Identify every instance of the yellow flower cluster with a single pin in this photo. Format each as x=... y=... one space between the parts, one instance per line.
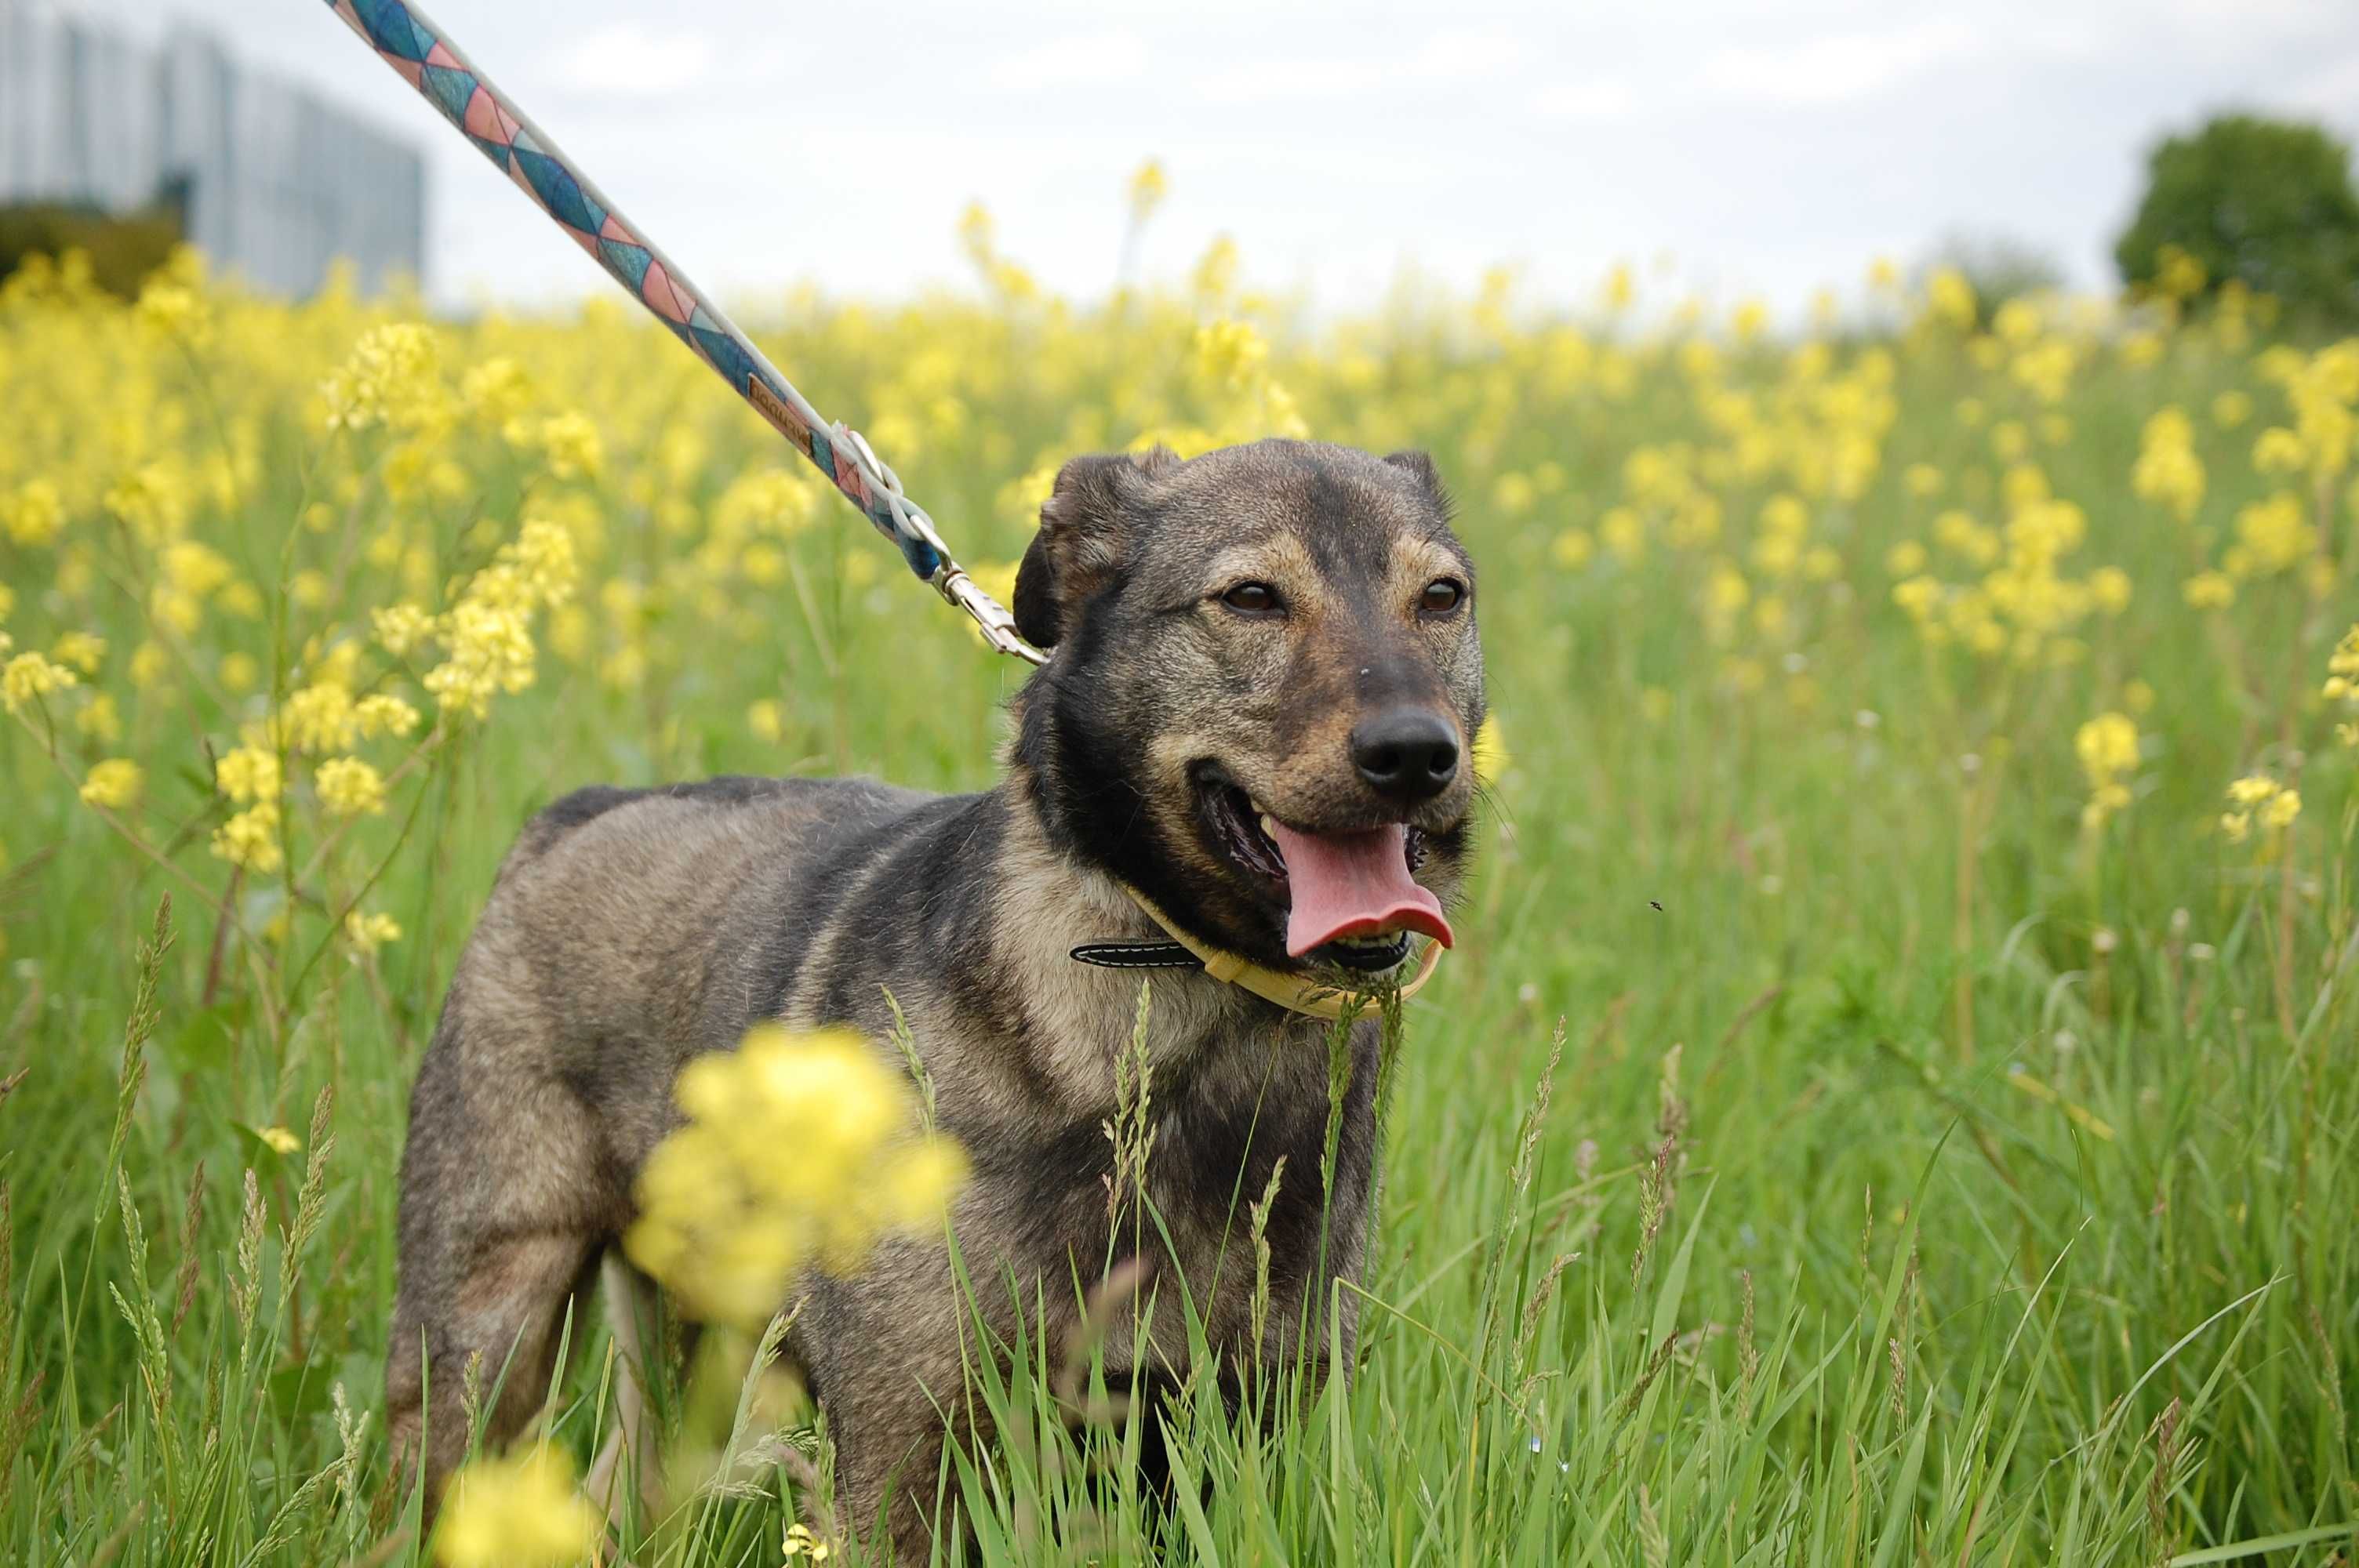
x=2258 y=798
x=522 y=1511
x=2169 y=472
x=112 y=783
x=2343 y=683
x=797 y=1152
x=2107 y=746
x=367 y=932
x=28 y=677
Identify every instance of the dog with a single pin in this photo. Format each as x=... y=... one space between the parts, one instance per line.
x=1256 y=714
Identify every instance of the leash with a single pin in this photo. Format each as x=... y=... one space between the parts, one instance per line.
x=422 y=54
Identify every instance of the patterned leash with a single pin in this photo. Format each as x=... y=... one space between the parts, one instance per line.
x=424 y=56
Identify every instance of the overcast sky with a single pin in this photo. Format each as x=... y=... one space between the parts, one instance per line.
x=1765 y=149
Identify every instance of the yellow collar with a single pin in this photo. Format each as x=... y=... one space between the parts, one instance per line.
x=1292 y=992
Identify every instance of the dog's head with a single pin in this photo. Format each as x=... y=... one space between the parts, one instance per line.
x=1263 y=694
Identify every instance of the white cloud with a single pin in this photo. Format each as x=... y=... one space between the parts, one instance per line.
x=626 y=61
x=2331 y=90
x=1594 y=97
x=1075 y=61
x=1447 y=57
x=1837 y=67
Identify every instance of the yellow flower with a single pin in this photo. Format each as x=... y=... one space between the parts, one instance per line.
x=1230 y=351
x=2343 y=681
x=278 y=1140
x=320 y=718
x=2258 y=797
x=1906 y=558
x=2108 y=749
x=2280 y=451
x=1148 y=188
x=382 y=714
x=251 y=839
x=30 y=677
x=239 y=671
x=151 y=662
x=2271 y=537
x=350 y=787
x=496 y=391
x=247 y=774
x=367 y=933
x=400 y=627
x=523 y=1511
x=2167 y=472
x=2209 y=591
x=767 y=718
x=114 y=784
x=99 y=718
x=170 y=309
x=2231 y=409
x=801 y=1542
x=391 y=378
x=81 y=650
x=36 y=515
x=543 y=557
x=569 y=441
x=1491 y=755
x=1949 y=298
x=1573 y=548
x=796 y=1151
x=2109 y=589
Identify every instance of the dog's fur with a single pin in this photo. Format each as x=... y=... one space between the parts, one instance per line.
x=632 y=929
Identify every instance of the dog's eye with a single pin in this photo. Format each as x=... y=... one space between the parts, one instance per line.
x=1442 y=596
x=1252 y=599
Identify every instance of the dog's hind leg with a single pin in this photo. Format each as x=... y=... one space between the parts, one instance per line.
x=505 y=1208
x=630 y=1447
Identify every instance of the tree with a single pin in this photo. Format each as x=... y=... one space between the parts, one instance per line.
x=2267 y=203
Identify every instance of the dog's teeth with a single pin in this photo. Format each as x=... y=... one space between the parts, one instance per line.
x=1269 y=825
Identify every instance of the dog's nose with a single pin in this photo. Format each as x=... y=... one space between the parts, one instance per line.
x=1409 y=753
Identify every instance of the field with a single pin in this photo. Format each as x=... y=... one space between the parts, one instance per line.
x=1896 y=1099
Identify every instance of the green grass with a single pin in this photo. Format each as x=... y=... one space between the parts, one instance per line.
x=1710 y=1233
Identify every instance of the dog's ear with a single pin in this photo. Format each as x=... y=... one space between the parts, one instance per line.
x=1419 y=467
x=1083 y=540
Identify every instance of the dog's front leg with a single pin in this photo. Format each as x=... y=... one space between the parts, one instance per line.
x=889 y=1486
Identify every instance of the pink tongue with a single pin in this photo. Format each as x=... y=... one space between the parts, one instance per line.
x=1352 y=885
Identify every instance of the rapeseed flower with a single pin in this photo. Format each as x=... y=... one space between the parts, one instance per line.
x=28 y=677
x=2257 y=799
x=1491 y=755
x=523 y=1511
x=369 y=931
x=2107 y=746
x=350 y=787
x=114 y=782
x=250 y=839
x=797 y=1152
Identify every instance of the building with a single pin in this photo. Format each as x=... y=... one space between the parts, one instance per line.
x=269 y=180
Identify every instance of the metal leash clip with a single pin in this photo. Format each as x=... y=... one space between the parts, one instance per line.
x=950 y=578
x=998 y=625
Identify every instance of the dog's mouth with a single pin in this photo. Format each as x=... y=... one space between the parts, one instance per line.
x=1351 y=901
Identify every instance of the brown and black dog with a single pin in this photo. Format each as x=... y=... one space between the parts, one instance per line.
x=1263 y=681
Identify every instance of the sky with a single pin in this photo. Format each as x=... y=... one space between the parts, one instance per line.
x=1751 y=149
